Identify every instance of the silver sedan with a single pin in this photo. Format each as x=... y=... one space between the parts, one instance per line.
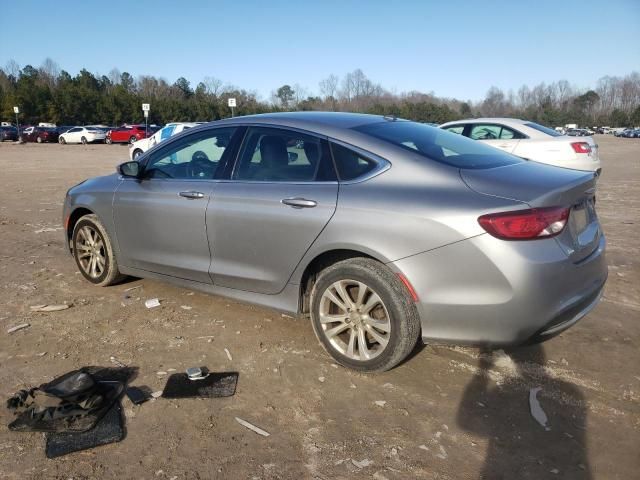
x=381 y=231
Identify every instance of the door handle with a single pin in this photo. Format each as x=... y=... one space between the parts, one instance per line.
x=299 y=202
x=192 y=195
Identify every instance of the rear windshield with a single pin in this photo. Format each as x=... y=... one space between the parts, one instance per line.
x=543 y=129
x=439 y=145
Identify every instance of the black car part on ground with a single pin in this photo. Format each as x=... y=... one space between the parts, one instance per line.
x=210 y=385
x=73 y=402
x=109 y=429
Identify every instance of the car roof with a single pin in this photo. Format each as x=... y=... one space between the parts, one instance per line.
x=335 y=124
x=505 y=120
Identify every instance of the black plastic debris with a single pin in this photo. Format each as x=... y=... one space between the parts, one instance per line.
x=208 y=385
x=109 y=429
x=138 y=395
x=73 y=402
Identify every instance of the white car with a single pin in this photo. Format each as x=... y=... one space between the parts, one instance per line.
x=170 y=129
x=82 y=135
x=531 y=142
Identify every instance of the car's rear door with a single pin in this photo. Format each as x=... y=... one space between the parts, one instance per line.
x=160 y=219
x=496 y=135
x=281 y=194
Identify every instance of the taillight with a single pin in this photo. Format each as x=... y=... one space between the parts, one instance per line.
x=581 y=147
x=529 y=224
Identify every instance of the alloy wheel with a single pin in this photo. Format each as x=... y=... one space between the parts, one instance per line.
x=90 y=252
x=354 y=320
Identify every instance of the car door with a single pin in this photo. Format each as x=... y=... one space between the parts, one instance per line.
x=73 y=135
x=160 y=219
x=281 y=194
x=496 y=135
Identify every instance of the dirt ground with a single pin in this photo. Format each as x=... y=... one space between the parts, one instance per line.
x=446 y=413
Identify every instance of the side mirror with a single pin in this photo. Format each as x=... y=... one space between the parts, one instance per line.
x=293 y=156
x=129 y=169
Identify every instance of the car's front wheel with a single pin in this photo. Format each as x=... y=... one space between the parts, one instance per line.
x=62 y=141
x=363 y=315
x=93 y=252
x=136 y=153
x=83 y=140
x=39 y=139
x=132 y=139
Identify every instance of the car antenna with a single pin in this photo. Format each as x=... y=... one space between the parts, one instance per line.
x=391 y=118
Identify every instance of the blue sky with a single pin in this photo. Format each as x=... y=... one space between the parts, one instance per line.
x=453 y=48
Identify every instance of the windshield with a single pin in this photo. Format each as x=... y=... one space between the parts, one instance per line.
x=543 y=129
x=439 y=145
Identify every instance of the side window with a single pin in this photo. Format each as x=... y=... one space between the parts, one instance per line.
x=166 y=132
x=455 y=129
x=74 y=130
x=494 y=132
x=350 y=164
x=485 y=132
x=507 y=134
x=275 y=155
x=195 y=157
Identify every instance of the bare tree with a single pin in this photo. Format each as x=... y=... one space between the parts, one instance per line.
x=12 y=68
x=213 y=85
x=114 y=76
x=49 y=72
x=329 y=86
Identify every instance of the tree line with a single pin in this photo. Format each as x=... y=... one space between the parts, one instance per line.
x=50 y=94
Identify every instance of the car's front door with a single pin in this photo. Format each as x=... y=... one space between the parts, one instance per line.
x=73 y=135
x=281 y=194
x=498 y=136
x=160 y=219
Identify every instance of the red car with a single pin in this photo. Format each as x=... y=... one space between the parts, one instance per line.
x=40 y=134
x=127 y=134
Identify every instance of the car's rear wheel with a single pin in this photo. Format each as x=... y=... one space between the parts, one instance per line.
x=39 y=139
x=132 y=139
x=83 y=140
x=107 y=140
x=136 y=153
x=61 y=140
x=93 y=252
x=363 y=315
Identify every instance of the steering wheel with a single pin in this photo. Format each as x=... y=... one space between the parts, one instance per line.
x=199 y=166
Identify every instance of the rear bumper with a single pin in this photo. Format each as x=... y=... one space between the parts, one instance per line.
x=486 y=291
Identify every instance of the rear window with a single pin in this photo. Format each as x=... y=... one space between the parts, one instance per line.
x=439 y=145
x=543 y=129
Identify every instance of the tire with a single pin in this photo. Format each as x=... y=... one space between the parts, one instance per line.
x=83 y=140
x=87 y=230
x=39 y=139
x=62 y=141
x=136 y=153
x=107 y=140
x=393 y=310
x=132 y=139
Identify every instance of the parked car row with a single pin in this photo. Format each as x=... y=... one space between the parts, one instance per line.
x=78 y=134
x=628 y=133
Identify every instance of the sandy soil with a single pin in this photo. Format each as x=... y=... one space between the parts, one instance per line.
x=446 y=413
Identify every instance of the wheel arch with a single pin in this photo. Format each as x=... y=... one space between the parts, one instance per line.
x=319 y=263
x=75 y=215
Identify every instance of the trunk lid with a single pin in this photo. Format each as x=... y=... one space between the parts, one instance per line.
x=541 y=185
